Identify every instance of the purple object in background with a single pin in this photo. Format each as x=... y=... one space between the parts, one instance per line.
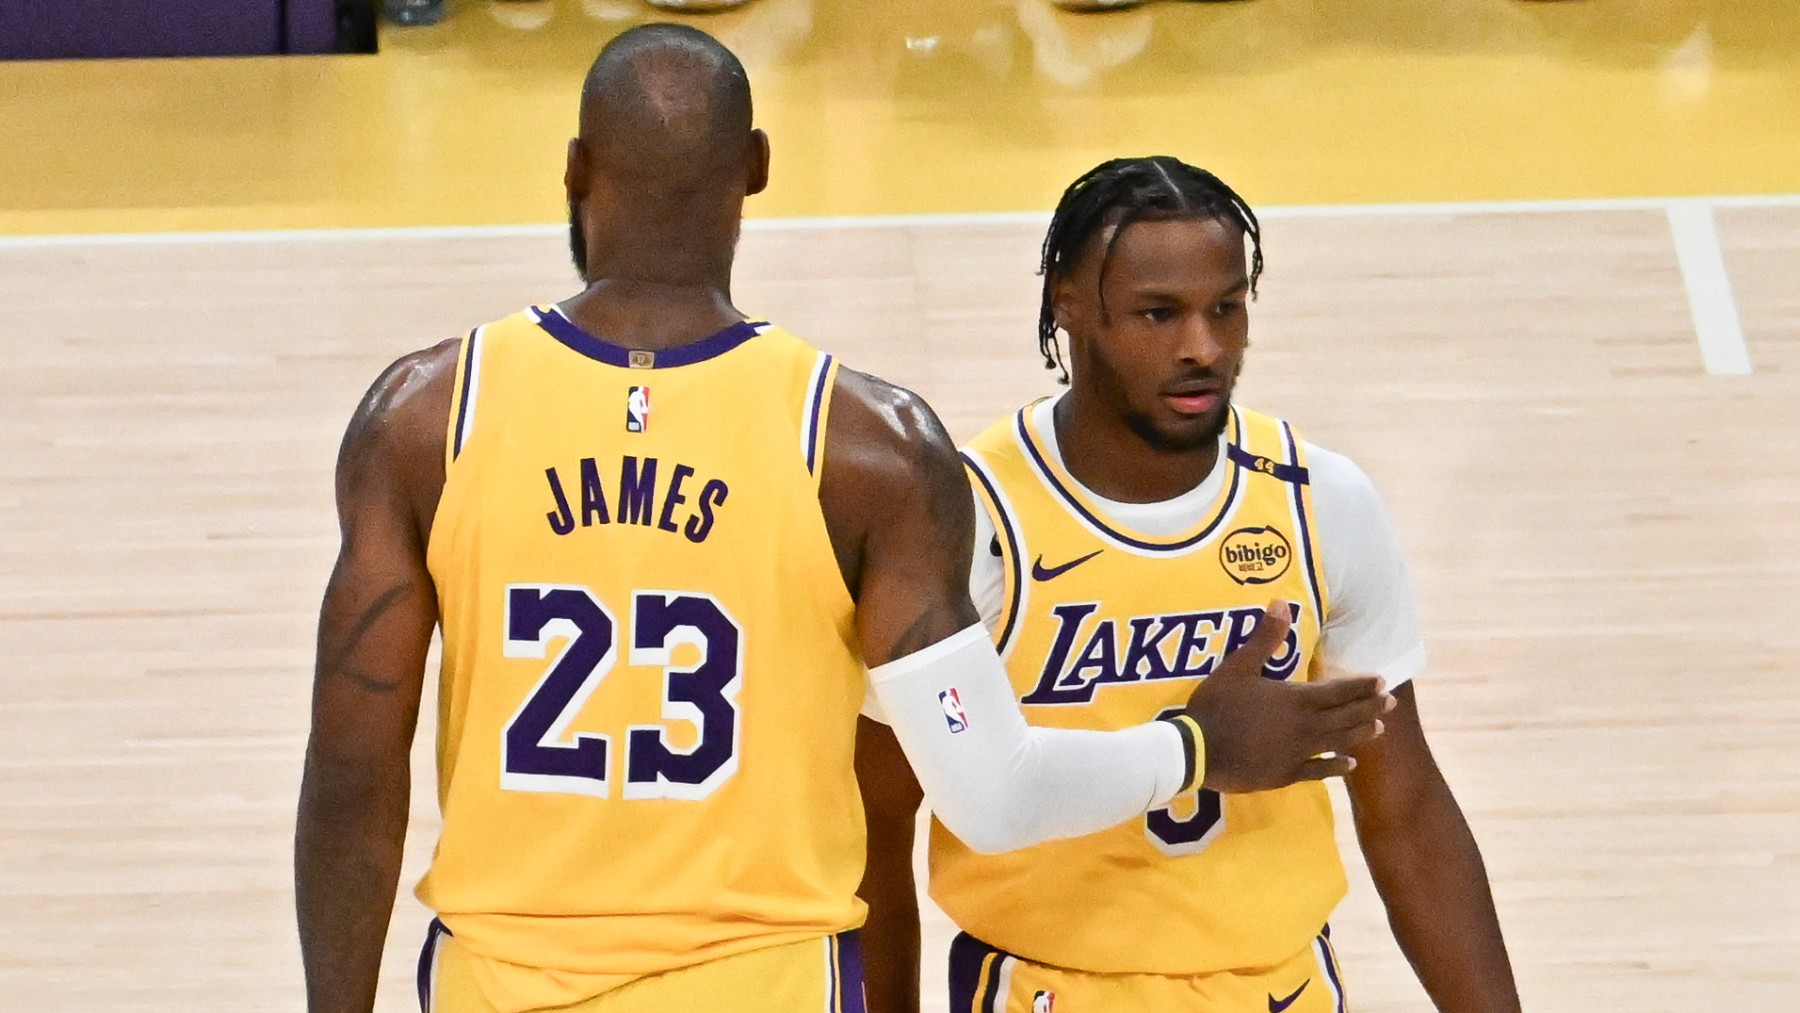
x=81 y=29
x=311 y=26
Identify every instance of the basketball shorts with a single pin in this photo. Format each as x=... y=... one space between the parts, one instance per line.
x=821 y=975
x=987 y=980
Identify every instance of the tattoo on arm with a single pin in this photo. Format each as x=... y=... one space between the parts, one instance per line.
x=336 y=666
x=374 y=633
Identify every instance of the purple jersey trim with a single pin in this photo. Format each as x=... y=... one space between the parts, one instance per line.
x=564 y=330
x=462 y=403
x=1312 y=573
x=1286 y=472
x=1074 y=503
x=816 y=402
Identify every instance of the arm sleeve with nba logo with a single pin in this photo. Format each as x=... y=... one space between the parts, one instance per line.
x=1000 y=784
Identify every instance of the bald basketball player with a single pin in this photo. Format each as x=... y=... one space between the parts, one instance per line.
x=671 y=550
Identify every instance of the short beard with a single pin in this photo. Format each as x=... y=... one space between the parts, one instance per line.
x=1169 y=443
x=577 y=240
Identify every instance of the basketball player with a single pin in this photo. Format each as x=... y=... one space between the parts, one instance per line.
x=662 y=542
x=1128 y=527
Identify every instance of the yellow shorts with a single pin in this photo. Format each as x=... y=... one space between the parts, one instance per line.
x=811 y=976
x=986 y=980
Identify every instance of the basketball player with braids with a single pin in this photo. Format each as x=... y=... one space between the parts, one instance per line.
x=671 y=550
x=1128 y=530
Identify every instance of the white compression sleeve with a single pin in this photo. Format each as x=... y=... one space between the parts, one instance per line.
x=1000 y=784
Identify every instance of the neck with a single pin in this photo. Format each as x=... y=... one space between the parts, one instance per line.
x=1106 y=455
x=693 y=258
x=652 y=315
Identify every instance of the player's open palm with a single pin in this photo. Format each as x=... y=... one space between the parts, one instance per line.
x=1263 y=734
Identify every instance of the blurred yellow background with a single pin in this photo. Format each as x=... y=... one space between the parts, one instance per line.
x=931 y=106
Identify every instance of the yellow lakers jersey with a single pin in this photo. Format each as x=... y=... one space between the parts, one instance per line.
x=1106 y=627
x=648 y=700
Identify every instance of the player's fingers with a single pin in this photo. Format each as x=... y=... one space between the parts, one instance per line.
x=1271 y=629
x=1329 y=693
x=1321 y=767
x=1344 y=740
x=1361 y=711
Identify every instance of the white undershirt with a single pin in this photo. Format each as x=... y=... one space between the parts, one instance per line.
x=1372 y=625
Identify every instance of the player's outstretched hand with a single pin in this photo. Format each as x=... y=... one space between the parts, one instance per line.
x=1262 y=734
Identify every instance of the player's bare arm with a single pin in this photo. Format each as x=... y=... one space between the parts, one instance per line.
x=1428 y=869
x=375 y=627
x=891 y=797
x=901 y=517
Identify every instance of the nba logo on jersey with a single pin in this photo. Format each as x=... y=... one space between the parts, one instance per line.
x=954 y=715
x=1043 y=1002
x=637 y=409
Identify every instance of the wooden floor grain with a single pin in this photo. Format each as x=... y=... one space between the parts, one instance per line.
x=1605 y=542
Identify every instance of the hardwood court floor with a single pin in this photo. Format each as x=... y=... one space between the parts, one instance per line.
x=1605 y=541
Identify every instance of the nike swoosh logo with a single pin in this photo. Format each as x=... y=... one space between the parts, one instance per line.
x=1277 y=1005
x=1039 y=573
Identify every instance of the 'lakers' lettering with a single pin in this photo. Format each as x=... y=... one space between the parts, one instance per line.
x=1186 y=645
x=640 y=491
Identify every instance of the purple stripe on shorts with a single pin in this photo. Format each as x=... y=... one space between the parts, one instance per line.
x=1331 y=970
x=427 y=957
x=850 y=972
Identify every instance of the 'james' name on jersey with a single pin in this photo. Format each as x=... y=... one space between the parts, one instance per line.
x=637 y=496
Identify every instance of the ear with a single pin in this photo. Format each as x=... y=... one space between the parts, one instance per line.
x=575 y=172
x=1063 y=302
x=758 y=180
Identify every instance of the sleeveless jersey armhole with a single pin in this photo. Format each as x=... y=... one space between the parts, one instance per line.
x=1006 y=535
x=815 y=415
x=1272 y=452
x=1304 y=518
x=463 y=397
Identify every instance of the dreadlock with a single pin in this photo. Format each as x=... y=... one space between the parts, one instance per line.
x=1118 y=193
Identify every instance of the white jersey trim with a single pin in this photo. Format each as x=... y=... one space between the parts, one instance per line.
x=465 y=415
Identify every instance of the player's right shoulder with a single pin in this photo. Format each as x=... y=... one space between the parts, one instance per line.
x=410 y=401
x=892 y=485
x=397 y=433
x=882 y=435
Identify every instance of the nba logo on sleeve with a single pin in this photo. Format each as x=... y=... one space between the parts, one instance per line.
x=1043 y=1002
x=637 y=409
x=954 y=715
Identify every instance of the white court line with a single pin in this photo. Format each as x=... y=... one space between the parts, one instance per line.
x=1716 y=321
x=281 y=236
x=1444 y=208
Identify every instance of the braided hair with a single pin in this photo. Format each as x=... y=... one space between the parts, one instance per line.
x=1118 y=193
